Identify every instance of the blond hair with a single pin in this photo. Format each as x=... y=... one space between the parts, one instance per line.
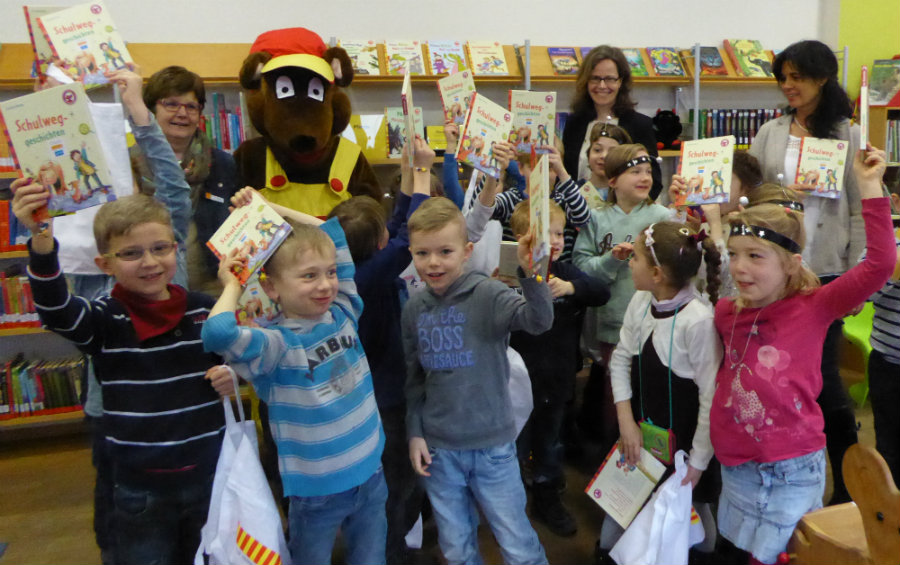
x=520 y=220
x=771 y=193
x=788 y=223
x=434 y=214
x=303 y=237
x=117 y=218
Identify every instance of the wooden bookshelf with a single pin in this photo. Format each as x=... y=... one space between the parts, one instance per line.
x=878 y=117
x=50 y=425
x=6 y=332
x=14 y=254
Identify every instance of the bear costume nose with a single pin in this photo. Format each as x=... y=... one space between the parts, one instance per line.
x=303 y=143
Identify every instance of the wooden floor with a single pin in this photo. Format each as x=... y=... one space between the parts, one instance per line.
x=46 y=505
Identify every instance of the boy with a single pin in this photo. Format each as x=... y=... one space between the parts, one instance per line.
x=379 y=261
x=552 y=359
x=310 y=369
x=459 y=419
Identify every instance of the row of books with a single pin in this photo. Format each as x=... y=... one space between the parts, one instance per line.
x=226 y=128
x=17 y=309
x=34 y=388
x=892 y=141
x=741 y=123
x=737 y=58
x=12 y=234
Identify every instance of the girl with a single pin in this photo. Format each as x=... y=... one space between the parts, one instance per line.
x=766 y=427
x=599 y=252
x=603 y=138
x=663 y=370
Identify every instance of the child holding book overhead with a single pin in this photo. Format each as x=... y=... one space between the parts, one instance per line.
x=663 y=369
x=600 y=252
x=459 y=418
x=766 y=427
x=310 y=368
x=603 y=137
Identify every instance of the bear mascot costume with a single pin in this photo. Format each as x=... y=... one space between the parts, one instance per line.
x=292 y=85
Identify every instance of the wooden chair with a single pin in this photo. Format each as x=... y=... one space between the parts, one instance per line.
x=863 y=532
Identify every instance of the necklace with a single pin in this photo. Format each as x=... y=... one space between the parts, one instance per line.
x=754 y=330
x=799 y=125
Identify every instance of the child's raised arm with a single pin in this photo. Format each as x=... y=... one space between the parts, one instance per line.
x=245 y=195
x=130 y=86
x=868 y=168
x=503 y=152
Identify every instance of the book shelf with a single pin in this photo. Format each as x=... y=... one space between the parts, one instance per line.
x=878 y=118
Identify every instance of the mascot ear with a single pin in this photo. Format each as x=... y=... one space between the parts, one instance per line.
x=340 y=62
x=250 y=74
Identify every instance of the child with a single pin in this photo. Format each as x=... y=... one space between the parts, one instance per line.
x=379 y=262
x=766 y=427
x=310 y=369
x=599 y=253
x=459 y=419
x=552 y=359
x=663 y=370
x=604 y=136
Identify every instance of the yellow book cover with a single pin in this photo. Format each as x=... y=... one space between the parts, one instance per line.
x=705 y=165
x=821 y=166
x=456 y=95
x=486 y=124
x=534 y=117
x=401 y=55
x=363 y=55
x=487 y=58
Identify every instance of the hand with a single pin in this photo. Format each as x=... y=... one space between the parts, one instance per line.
x=451 y=132
x=622 y=251
x=424 y=155
x=221 y=379
x=230 y=264
x=868 y=167
x=630 y=441
x=677 y=190
x=242 y=197
x=854 y=311
x=28 y=197
x=131 y=86
x=692 y=477
x=556 y=164
x=523 y=252
x=559 y=287
x=419 y=456
x=503 y=152
x=802 y=189
x=693 y=220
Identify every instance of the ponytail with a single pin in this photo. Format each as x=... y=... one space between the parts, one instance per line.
x=713 y=260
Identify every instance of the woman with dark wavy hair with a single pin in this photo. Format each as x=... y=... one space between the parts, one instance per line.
x=817 y=106
x=603 y=94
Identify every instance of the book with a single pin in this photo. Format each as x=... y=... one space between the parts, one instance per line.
x=705 y=165
x=509 y=263
x=864 y=106
x=539 y=216
x=412 y=119
x=821 y=166
x=592 y=195
x=583 y=51
x=487 y=58
x=456 y=95
x=86 y=41
x=711 y=61
x=665 y=61
x=748 y=57
x=563 y=60
x=622 y=489
x=363 y=55
x=636 y=62
x=404 y=57
x=255 y=230
x=884 y=83
x=447 y=57
x=43 y=53
x=53 y=140
x=486 y=124
x=436 y=137
x=534 y=114
x=397 y=127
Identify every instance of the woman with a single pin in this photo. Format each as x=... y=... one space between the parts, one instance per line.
x=603 y=94
x=818 y=107
x=176 y=97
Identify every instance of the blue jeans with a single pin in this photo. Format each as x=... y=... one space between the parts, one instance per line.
x=490 y=477
x=358 y=512
x=159 y=527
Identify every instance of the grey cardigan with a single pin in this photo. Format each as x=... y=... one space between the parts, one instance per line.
x=840 y=236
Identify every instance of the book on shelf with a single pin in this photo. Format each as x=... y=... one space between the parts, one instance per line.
x=53 y=140
x=363 y=56
x=622 y=489
x=884 y=83
x=637 y=61
x=539 y=216
x=487 y=58
x=712 y=63
x=404 y=57
x=561 y=118
x=255 y=230
x=563 y=60
x=486 y=124
x=821 y=167
x=447 y=57
x=395 y=118
x=255 y=309
x=456 y=92
x=743 y=123
x=892 y=141
x=85 y=42
x=583 y=51
x=369 y=131
x=17 y=308
x=665 y=61
x=705 y=165
x=534 y=114
x=35 y=388
x=748 y=57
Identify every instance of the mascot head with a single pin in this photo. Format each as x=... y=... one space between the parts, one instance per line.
x=293 y=97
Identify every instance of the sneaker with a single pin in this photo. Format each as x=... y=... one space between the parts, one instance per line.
x=601 y=556
x=548 y=508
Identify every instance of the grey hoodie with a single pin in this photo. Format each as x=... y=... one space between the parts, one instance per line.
x=457 y=371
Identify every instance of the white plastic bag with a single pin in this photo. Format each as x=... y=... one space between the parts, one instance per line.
x=520 y=395
x=243 y=525
x=660 y=534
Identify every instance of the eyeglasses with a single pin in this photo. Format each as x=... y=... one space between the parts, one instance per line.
x=173 y=106
x=608 y=80
x=158 y=249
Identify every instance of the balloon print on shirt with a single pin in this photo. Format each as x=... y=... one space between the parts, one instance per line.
x=441 y=340
x=770 y=365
